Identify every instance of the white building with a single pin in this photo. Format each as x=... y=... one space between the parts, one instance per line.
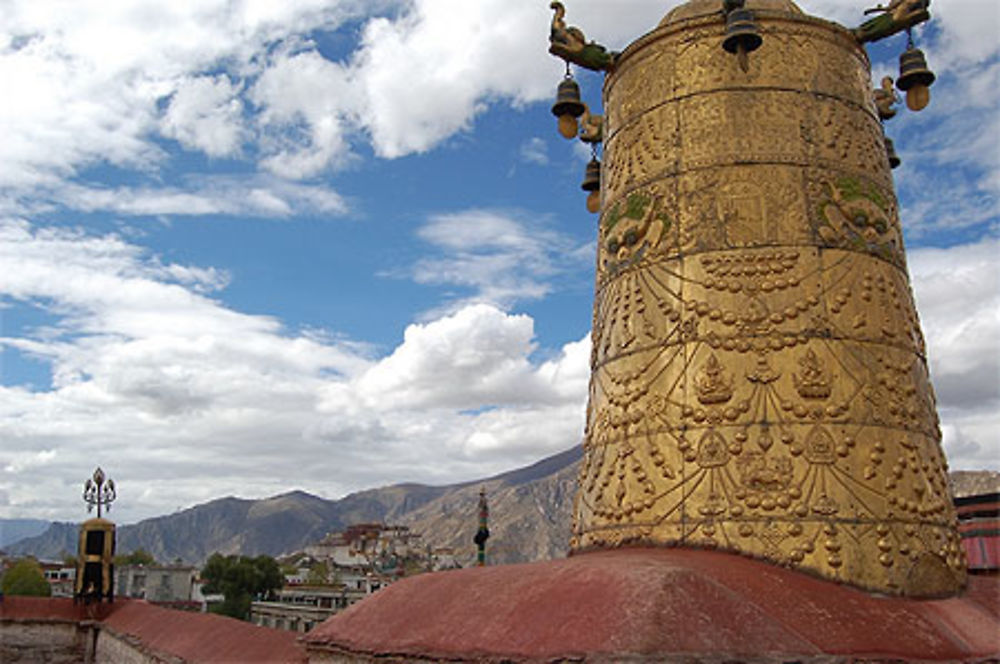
x=174 y=585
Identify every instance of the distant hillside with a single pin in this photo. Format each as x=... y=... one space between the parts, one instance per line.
x=289 y=522
x=530 y=513
x=12 y=530
x=530 y=517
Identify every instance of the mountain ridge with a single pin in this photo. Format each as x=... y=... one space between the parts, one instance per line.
x=290 y=521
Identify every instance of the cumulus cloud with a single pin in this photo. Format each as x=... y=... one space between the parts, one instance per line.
x=172 y=391
x=205 y=113
x=96 y=84
x=958 y=296
x=486 y=351
x=306 y=103
x=92 y=84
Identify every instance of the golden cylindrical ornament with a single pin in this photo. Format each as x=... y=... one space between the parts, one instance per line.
x=759 y=381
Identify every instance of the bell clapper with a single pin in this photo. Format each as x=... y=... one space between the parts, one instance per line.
x=567 y=126
x=594 y=202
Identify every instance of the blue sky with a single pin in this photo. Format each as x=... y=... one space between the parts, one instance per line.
x=250 y=246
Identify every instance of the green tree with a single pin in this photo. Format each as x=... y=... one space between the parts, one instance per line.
x=241 y=579
x=25 y=577
x=138 y=557
x=319 y=574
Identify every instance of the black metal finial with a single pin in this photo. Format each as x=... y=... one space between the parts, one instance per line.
x=483 y=533
x=99 y=490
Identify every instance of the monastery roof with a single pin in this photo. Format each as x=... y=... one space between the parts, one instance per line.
x=194 y=638
x=656 y=604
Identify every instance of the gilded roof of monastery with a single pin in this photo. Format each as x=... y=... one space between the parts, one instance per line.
x=696 y=8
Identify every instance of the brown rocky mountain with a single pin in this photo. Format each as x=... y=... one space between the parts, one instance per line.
x=530 y=512
x=530 y=515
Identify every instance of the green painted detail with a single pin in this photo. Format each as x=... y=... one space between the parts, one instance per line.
x=853 y=189
x=635 y=208
x=904 y=16
x=853 y=210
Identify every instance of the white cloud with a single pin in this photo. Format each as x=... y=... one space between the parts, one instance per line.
x=474 y=358
x=428 y=73
x=257 y=196
x=958 y=296
x=969 y=30
x=502 y=257
x=88 y=82
x=535 y=151
x=93 y=83
x=306 y=104
x=205 y=113
x=173 y=392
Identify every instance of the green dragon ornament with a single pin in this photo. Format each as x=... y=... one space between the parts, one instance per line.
x=895 y=17
x=570 y=44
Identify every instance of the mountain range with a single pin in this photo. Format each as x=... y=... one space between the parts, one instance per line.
x=530 y=518
x=12 y=530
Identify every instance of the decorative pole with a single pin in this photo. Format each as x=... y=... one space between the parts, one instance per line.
x=99 y=490
x=483 y=533
x=95 y=558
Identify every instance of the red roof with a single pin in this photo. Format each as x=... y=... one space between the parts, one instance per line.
x=50 y=608
x=657 y=604
x=193 y=637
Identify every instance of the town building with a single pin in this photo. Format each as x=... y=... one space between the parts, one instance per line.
x=60 y=576
x=343 y=568
x=175 y=586
x=300 y=608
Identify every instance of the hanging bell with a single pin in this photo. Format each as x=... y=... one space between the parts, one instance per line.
x=592 y=176
x=742 y=35
x=568 y=107
x=915 y=78
x=890 y=151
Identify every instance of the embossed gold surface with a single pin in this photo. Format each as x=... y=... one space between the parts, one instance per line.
x=759 y=382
